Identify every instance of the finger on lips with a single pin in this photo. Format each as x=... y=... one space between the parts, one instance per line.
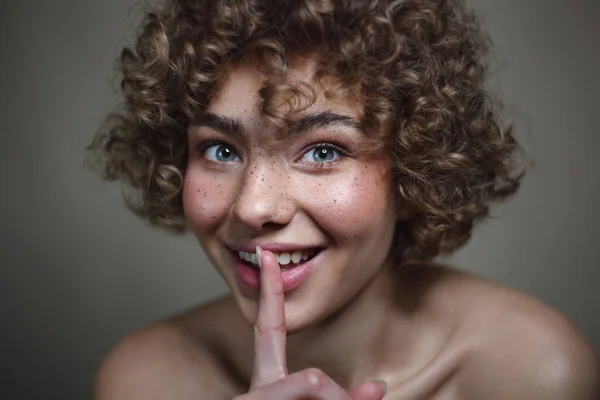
x=270 y=378
x=269 y=330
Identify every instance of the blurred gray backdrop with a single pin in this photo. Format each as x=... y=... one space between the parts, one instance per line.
x=78 y=271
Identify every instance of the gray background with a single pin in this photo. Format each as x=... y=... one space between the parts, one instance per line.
x=78 y=271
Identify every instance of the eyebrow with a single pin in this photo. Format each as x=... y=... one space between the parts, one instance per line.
x=305 y=123
x=324 y=119
x=222 y=123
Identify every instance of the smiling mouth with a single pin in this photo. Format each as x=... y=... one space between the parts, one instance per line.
x=286 y=260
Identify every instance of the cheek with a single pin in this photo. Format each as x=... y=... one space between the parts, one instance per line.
x=206 y=199
x=354 y=206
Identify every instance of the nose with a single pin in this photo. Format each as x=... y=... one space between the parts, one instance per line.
x=264 y=197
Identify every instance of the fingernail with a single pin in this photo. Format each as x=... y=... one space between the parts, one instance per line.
x=383 y=385
x=259 y=256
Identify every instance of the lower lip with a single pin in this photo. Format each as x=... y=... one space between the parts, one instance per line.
x=291 y=278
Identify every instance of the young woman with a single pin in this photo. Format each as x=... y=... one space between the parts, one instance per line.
x=324 y=153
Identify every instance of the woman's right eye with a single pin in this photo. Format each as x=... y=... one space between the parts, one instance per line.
x=222 y=153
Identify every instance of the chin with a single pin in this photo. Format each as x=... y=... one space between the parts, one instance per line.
x=299 y=315
x=294 y=326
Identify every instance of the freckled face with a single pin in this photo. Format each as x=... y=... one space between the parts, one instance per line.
x=308 y=190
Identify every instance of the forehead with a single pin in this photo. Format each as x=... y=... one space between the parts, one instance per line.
x=239 y=95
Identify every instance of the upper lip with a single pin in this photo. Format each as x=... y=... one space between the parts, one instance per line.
x=272 y=247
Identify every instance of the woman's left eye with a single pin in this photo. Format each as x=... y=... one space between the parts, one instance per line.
x=321 y=154
x=220 y=152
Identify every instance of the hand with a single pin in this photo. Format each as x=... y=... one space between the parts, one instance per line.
x=270 y=379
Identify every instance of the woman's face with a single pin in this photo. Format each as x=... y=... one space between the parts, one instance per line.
x=325 y=211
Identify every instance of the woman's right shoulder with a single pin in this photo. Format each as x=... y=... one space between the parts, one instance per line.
x=177 y=358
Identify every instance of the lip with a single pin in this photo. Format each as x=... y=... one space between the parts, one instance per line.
x=292 y=278
x=272 y=247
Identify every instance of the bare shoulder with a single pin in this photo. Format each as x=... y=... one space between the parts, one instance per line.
x=519 y=347
x=168 y=360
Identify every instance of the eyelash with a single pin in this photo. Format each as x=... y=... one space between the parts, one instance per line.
x=330 y=146
x=343 y=152
x=205 y=145
x=202 y=146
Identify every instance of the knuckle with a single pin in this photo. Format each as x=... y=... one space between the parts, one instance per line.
x=262 y=327
x=315 y=379
x=279 y=327
x=278 y=291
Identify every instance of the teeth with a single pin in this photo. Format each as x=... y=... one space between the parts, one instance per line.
x=296 y=257
x=282 y=258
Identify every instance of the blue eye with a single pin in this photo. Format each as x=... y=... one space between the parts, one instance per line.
x=221 y=153
x=320 y=154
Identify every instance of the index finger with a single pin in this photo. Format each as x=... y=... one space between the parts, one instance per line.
x=269 y=330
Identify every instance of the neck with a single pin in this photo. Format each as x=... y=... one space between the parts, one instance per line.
x=356 y=343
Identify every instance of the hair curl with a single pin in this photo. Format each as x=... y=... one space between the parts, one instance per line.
x=420 y=66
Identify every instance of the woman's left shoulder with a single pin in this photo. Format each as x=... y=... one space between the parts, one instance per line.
x=519 y=347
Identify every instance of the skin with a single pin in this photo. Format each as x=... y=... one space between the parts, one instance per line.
x=270 y=195
x=269 y=377
x=430 y=333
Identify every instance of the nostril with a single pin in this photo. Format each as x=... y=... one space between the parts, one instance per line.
x=274 y=226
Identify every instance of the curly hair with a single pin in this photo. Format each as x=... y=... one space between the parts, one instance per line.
x=420 y=67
